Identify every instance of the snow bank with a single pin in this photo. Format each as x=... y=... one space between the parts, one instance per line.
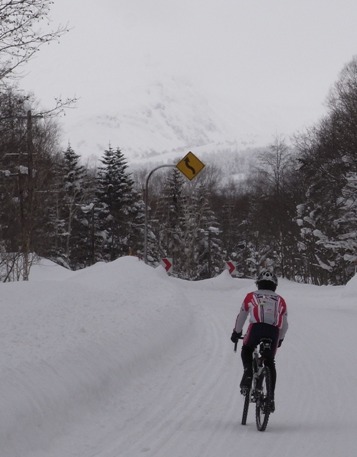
x=75 y=341
x=350 y=289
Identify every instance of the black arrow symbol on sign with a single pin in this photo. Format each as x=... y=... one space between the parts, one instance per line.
x=187 y=163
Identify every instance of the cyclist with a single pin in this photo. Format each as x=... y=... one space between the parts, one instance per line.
x=267 y=319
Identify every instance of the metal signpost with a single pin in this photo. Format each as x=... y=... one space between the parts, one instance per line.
x=147 y=210
x=190 y=166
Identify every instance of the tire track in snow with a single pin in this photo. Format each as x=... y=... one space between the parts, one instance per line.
x=191 y=405
x=170 y=406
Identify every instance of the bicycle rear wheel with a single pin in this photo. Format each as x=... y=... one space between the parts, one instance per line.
x=264 y=397
x=245 y=408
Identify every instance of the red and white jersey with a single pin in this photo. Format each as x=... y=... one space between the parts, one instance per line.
x=263 y=306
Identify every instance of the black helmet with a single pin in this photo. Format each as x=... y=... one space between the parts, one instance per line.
x=266 y=275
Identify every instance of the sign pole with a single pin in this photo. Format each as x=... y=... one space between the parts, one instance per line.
x=147 y=210
x=190 y=166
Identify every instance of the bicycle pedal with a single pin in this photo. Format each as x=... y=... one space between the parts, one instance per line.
x=244 y=391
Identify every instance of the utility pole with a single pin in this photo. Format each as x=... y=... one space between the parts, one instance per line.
x=27 y=222
x=26 y=205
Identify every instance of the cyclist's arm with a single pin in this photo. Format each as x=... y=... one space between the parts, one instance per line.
x=242 y=317
x=285 y=325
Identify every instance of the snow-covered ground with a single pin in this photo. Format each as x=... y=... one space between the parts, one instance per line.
x=121 y=360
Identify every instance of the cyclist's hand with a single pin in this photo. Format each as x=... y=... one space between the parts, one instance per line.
x=280 y=342
x=235 y=336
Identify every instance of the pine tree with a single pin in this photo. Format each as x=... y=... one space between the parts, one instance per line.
x=187 y=229
x=73 y=178
x=205 y=236
x=120 y=209
x=328 y=159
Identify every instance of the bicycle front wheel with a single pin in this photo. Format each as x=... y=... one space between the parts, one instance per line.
x=264 y=398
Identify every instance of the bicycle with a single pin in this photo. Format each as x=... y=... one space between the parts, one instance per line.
x=260 y=392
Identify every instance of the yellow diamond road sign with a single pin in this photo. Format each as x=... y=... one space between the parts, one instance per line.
x=190 y=165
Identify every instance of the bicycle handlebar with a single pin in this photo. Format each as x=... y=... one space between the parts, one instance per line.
x=236 y=344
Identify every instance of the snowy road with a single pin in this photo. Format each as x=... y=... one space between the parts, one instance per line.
x=141 y=364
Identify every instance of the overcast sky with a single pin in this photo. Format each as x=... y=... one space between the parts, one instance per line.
x=267 y=57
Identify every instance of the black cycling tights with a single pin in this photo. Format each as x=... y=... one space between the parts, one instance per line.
x=247 y=359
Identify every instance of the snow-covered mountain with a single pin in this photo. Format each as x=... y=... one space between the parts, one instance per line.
x=160 y=121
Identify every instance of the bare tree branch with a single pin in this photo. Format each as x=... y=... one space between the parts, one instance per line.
x=20 y=35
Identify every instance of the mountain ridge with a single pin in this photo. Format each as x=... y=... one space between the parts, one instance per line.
x=159 y=121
